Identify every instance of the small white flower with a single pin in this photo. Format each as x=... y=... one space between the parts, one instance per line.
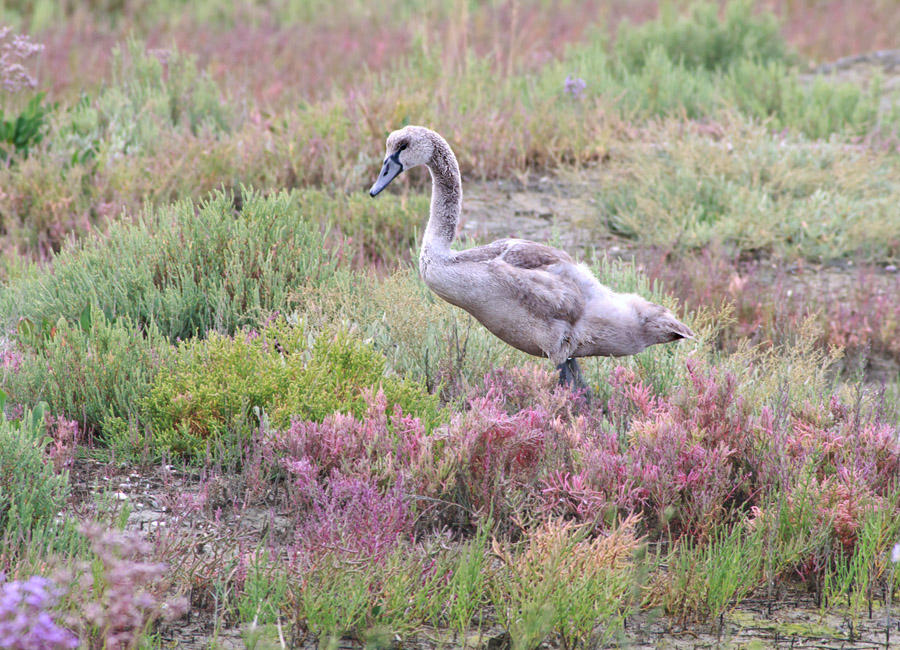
x=895 y=554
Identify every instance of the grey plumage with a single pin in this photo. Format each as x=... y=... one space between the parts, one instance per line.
x=534 y=297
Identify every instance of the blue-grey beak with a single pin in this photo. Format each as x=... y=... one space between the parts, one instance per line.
x=390 y=171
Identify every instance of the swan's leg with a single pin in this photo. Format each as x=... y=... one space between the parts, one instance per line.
x=570 y=375
x=575 y=371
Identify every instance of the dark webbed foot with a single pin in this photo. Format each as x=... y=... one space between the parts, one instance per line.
x=570 y=375
x=565 y=375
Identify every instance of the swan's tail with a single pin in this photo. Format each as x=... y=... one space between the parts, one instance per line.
x=679 y=330
x=663 y=327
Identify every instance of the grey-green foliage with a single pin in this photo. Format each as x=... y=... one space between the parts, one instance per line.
x=94 y=374
x=31 y=493
x=851 y=575
x=770 y=91
x=699 y=64
x=186 y=268
x=701 y=39
x=149 y=97
x=664 y=86
x=754 y=192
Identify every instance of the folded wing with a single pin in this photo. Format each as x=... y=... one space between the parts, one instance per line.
x=541 y=279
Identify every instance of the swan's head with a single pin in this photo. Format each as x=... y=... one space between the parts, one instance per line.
x=408 y=147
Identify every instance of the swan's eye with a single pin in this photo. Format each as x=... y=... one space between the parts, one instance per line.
x=403 y=146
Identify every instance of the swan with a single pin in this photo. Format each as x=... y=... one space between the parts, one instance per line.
x=531 y=296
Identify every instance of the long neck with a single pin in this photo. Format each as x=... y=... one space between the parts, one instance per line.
x=446 y=200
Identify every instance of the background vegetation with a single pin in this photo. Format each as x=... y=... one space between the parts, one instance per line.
x=199 y=303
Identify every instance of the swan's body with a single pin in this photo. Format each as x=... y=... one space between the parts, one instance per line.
x=534 y=297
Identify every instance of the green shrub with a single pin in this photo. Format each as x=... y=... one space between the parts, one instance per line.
x=215 y=389
x=31 y=493
x=666 y=87
x=187 y=269
x=91 y=371
x=25 y=130
x=366 y=232
x=701 y=39
x=770 y=92
x=694 y=197
x=145 y=100
x=753 y=192
x=212 y=386
x=334 y=379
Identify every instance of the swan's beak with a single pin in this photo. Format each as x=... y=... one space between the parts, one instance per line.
x=390 y=171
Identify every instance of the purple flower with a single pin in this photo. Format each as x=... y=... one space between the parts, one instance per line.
x=15 y=49
x=24 y=622
x=575 y=86
x=125 y=600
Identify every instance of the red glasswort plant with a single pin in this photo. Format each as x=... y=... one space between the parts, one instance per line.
x=351 y=518
x=64 y=437
x=378 y=445
x=685 y=462
x=497 y=451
